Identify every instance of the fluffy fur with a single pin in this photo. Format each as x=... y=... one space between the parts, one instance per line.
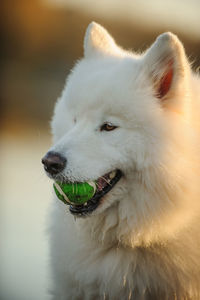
x=143 y=241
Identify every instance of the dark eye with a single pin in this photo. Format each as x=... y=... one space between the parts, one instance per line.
x=107 y=127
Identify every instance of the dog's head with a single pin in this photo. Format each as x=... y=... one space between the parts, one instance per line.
x=112 y=121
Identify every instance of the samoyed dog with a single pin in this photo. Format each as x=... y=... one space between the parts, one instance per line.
x=131 y=123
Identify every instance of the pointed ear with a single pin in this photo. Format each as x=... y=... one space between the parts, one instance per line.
x=167 y=66
x=98 y=41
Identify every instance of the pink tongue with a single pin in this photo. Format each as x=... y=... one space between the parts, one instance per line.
x=102 y=182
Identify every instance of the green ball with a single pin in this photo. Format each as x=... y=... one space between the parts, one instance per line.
x=75 y=193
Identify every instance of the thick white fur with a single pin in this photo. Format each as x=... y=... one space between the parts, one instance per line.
x=143 y=241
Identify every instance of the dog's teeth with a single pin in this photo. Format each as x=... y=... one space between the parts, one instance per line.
x=112 y=174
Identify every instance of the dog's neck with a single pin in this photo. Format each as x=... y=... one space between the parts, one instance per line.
x=142 y=225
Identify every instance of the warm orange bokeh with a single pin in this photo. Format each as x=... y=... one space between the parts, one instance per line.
x=41 y=41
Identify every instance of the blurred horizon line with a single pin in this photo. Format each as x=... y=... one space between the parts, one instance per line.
x=183 y=16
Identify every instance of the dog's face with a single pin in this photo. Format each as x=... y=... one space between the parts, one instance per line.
x=110 y=121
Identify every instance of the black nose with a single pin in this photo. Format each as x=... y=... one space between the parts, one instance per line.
x=54 y=162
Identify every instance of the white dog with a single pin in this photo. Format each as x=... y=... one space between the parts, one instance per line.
x=130 y=122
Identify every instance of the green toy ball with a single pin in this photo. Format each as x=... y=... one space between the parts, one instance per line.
x=75 y=193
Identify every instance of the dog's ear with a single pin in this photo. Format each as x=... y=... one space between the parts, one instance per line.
x=167 y=66
x=98 y=41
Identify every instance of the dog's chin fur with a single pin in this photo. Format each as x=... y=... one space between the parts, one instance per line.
x=143 y=240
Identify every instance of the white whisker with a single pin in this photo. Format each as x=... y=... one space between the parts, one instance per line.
x=98 y=186
x=105 y=180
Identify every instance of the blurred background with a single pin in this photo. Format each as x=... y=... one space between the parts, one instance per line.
x=40 y=41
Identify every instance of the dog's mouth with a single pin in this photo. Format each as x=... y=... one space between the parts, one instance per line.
x=104 y=184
